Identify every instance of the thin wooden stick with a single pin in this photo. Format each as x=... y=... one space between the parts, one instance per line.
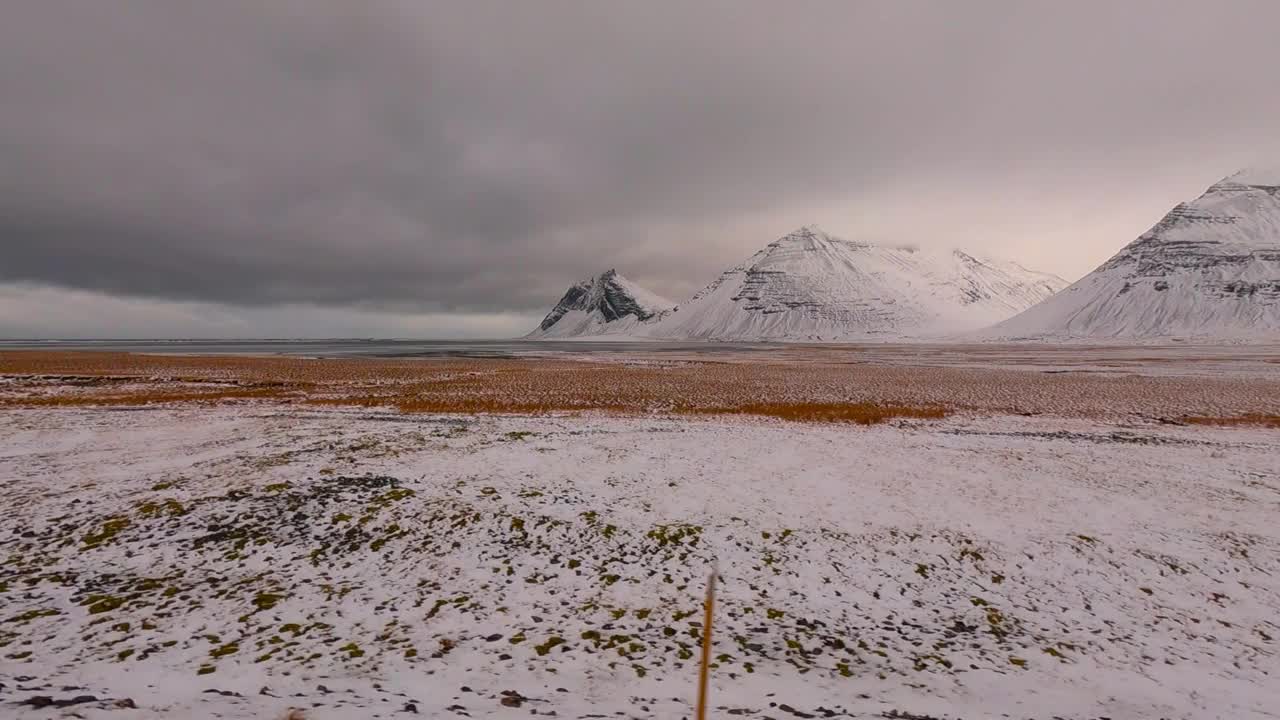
x=705 y=669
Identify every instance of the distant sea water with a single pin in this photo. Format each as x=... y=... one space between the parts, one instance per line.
x=383 y=348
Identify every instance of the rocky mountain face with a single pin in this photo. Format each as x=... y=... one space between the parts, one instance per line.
x=607 y=304
x=809 y=285
x=1210 y=269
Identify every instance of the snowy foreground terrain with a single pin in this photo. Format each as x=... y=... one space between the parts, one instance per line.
x=243 y=561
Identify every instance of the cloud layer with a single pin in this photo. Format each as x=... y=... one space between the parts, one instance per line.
x=470 y=159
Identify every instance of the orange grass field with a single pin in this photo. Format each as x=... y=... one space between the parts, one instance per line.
x=815 y=389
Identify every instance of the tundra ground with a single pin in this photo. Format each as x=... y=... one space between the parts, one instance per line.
x=249 y=556
x=241 y=562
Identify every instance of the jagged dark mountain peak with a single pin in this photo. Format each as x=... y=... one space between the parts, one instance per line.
x=604 y=303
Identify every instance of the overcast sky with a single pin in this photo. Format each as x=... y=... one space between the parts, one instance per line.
x=432 y=169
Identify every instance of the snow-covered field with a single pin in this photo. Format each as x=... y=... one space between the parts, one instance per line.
x=243 y=560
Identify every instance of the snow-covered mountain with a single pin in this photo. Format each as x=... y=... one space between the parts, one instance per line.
x=1209 y=270
x=607 y=304
x=811 y=286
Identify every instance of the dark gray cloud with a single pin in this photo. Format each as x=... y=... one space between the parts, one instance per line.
x=474 y=157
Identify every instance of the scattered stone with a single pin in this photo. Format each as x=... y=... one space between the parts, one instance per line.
x=44 y=701
x=513 y=699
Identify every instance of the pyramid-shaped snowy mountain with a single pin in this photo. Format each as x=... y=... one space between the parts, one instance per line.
x=809 y=286
x=1209 y=270
x=607 y=304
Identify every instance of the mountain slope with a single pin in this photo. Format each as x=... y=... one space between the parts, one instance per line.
x=607 y=304
x=1210 y=269
x=811 y=286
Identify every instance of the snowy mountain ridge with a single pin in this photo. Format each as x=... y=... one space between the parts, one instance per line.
x=1258 y=176
x=1210 y=269
x=810 y=286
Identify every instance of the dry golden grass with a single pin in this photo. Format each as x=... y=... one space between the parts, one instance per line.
x=147 y=396
x=1247 y=420
x=506 y=389
x=793 y=385
x=498 y=406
